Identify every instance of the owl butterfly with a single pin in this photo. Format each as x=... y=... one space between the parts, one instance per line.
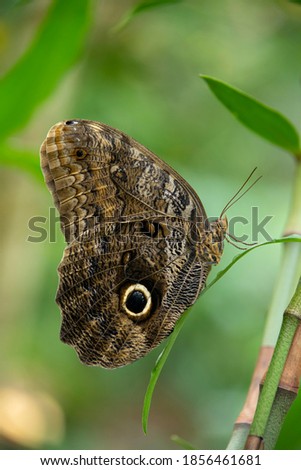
x=139 y=244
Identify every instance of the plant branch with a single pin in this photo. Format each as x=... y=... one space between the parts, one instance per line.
x=286 y=281
x=293 y=224
x=284 y=367
x=242 y=425
x=286 y=392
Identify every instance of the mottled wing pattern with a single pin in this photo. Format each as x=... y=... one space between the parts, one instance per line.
x=132 y=225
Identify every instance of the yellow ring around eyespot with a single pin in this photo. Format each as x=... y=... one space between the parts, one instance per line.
x=144 y=290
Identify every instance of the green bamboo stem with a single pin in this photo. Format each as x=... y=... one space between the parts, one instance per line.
x=268 y=410
x=274 y=403
x=245 y=418
x=282 y=403
x=270 y=386
x=290 y=266
x=285 y=284
x=290 y=379
x=239 y=436
x=288 y=275
x=293 y=224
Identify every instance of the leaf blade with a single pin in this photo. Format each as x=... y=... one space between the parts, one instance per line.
x=261 y=119
x=157 y=370
x=140 y=8
x=182 y=442
x=36 y=74
x=220 y=274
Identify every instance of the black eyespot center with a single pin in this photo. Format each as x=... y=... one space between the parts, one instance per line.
x=70 y=123
x=136 y=302
x=80 y=153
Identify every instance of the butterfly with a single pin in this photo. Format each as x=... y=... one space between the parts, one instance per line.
x=139 y=243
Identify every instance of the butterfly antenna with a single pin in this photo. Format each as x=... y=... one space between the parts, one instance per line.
x=233 y=199
x=234 y=244
x=238 y=241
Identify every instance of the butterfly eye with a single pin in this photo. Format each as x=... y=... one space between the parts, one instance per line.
x=136 y=301
x=80 y=154
x=70 y=123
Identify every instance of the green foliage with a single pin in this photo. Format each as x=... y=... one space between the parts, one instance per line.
x=54 y=49
x=182 y=443
x=265 y=121
x=157 y=370
x=140 y=8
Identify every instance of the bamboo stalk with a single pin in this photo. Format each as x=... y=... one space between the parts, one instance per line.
x=245 y=418
x=289 y=383
x=282 y=379
x=286 y=281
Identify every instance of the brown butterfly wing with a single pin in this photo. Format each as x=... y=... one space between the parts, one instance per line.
x=129 y=221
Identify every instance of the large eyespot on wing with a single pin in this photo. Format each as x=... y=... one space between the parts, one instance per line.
x=136 y=301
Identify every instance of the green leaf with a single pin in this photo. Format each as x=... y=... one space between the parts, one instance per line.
x=221 y=273
x=141 y=7
x=150 y=4
x=171 y=340
x=37 y=73
x=265 y=121
x=157 y=370
x=182 y=442
x=295 y=1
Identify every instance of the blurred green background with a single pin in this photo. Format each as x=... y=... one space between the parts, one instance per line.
x=64 y=60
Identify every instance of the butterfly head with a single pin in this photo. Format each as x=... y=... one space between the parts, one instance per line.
x=216 y=231
x=213 y=244
x=222 y=225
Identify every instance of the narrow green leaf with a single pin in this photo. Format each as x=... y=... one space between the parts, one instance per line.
x=141 y=7
x=157 y=370
x=265 y=121
x=37 y=73
x=171 y=340
x=151 y=4
x=182 y=442
x=221 y=273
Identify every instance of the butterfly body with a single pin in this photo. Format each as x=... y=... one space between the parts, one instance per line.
x=139 y=245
